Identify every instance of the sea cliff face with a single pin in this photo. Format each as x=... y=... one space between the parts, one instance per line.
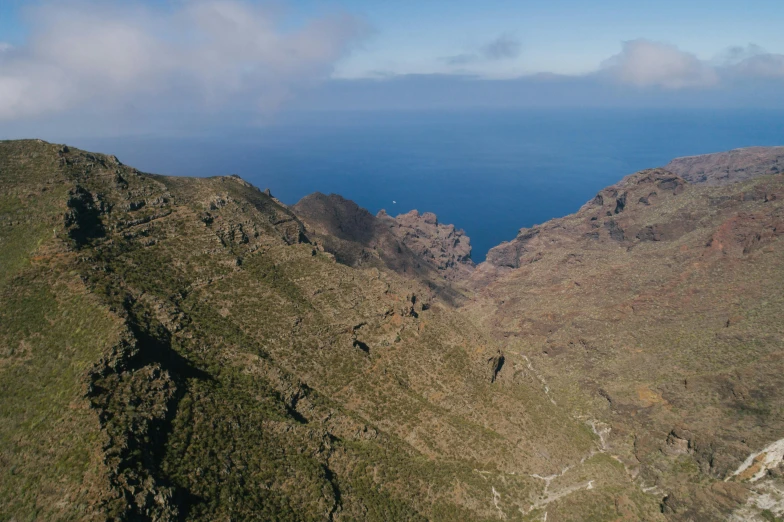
x=193 y=349
x=412 y=243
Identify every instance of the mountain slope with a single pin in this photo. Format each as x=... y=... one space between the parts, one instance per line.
x=191 y=349
x=220 y=366
x=656 y=309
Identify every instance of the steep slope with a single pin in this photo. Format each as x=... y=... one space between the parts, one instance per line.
x=353 y=235
x=178 y=348
x=51 y=332
x=440 y=245
x=656 y=310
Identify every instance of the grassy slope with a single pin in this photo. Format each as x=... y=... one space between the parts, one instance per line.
x=51 y=332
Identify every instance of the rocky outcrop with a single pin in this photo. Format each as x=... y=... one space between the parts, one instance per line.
x=445 y=247
x=729 y=167
x=496 y=362
x=508 y=253
x=410 y=243
x=82 y=218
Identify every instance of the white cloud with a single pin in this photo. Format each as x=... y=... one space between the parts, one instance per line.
x=503 y=47
x=205 y=53
x=760 y=66
x=644 y=63
x=751 y=61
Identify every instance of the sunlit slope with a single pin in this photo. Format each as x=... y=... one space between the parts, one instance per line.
x=657 y=311
x=175 y=348
x=188 y=349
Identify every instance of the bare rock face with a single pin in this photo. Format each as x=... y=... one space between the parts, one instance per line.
x=413 y=243
x=447 y=248
x=728 y=167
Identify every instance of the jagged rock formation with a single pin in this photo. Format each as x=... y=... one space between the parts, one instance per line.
x=414 y=244
x=443 y=246
x=729 y=167
x=192 y=349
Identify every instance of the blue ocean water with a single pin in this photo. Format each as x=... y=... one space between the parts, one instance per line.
x=488 y=172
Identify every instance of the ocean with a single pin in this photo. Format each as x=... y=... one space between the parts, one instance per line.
x=488 y=172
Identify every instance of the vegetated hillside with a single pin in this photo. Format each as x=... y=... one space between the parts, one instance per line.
x=191 y=349
x=177 y=348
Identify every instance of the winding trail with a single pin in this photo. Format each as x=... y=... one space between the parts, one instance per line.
x=538 y=376
x=766 y=495
x=602 y=432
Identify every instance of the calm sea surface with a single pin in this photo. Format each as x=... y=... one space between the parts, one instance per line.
x=488 y=172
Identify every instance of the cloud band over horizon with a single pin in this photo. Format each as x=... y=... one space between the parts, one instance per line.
x=214 y=56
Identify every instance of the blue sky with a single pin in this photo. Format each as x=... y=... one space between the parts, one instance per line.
x=221 y=60
x=561 y=36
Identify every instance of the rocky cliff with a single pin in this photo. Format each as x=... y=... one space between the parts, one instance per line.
x=411 y=243
x=445 y=247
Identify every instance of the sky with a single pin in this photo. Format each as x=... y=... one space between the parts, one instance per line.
x=191 y=63
x=559 y=36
